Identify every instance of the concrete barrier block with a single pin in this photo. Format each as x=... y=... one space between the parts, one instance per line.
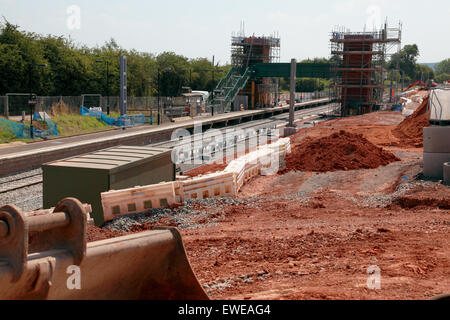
x=433 y=164
x=436 y=140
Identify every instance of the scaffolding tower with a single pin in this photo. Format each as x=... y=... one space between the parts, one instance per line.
x=358 y=67
x=248 y=51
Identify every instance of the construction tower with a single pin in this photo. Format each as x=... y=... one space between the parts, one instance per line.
x=240 y=89
x=359 y=67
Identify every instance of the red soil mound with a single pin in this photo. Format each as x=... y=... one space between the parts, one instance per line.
x=410 y=131
x=206 y=169
x=340 y=151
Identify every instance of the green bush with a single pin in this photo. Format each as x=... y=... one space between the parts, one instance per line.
x=311 y=84
x=442 y=78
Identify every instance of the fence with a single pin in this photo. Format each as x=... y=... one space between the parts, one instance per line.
x=170 y=107
x=306 y=96
x=2 y=105
x=14 y=106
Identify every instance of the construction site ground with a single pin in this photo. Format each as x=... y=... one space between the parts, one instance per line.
x=307 y=235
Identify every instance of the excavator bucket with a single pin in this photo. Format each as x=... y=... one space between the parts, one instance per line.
x=46 y=257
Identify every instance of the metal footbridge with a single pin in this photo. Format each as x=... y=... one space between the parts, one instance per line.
x=237 y=78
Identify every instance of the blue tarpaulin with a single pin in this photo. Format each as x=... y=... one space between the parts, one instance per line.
x=23 y=132
x=398 y=107
x=122 y=121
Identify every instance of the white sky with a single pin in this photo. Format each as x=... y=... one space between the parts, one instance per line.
x=202 y=28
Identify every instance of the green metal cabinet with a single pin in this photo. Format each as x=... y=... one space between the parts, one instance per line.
x=85 y=177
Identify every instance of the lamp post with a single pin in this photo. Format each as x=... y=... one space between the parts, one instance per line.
x=149 y=104
x=32 y=102
x=214 y=84
x=213 y=80
x=159 y=91
x=107 y=85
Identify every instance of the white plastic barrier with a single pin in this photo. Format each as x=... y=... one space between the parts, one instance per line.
x=237 y=167
x=179 y=193
x=269 y=162
x=137 y=200
x=225 y=184
x=282 y=147
x=254 y=161
x=211 y=185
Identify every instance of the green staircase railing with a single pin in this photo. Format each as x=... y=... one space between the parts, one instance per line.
x=229 y=87
x=223 y=81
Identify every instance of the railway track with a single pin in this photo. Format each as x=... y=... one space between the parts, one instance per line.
x=21 y=187
x=16 y=186
x=2 y=183
x=21 y=182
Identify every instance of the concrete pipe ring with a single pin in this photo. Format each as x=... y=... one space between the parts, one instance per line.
x=447 y=173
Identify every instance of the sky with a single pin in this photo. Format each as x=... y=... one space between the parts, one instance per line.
x=203 y=28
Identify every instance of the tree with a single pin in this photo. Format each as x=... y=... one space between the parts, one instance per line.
x=443 y=77
x=443 y=67
x=19 y=54
x=424 y=73
x=406 y=60
x=67 y=68
x=74 y=70
x=174 y=71
x=310 y=84
x=200 y=73
x=315 y=60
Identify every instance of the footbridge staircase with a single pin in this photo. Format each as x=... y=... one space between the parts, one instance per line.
x=228 y=88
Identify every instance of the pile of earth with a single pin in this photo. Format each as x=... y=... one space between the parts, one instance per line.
x=207 y=169
x=410 y=130
x=337 y=152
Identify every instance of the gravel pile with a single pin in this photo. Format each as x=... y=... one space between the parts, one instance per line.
x=383 y=201
x=185 y=217
x=223 y=284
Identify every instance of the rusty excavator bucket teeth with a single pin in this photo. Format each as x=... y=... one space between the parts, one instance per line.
x=150 y=265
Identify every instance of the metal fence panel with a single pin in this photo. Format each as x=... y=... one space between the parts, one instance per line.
x=170 y=107
x=2 y=105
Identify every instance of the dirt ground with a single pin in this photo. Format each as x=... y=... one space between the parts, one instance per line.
x=307 y=235
x=314 y=235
